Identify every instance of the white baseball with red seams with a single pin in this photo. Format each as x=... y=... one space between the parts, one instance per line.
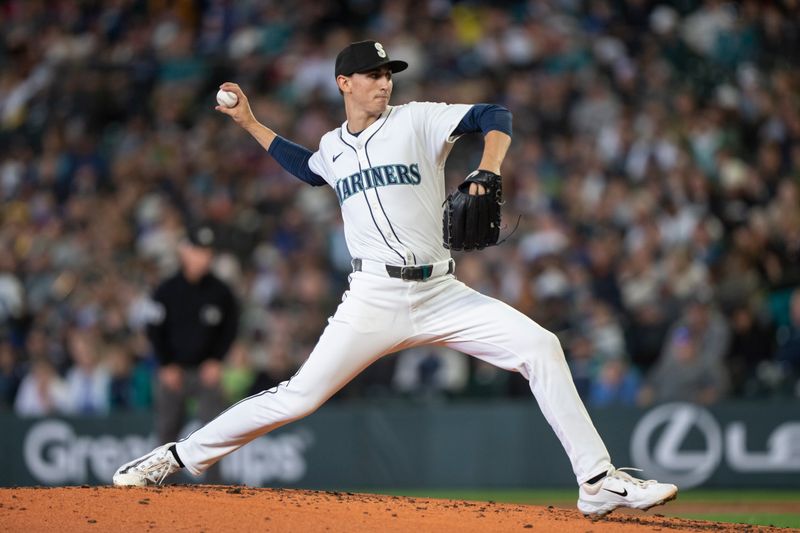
x=227 y=98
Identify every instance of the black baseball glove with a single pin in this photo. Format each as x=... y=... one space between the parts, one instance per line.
x=472 y=222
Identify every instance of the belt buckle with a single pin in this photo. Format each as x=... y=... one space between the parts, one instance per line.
x=416 y=273
x=407 y=273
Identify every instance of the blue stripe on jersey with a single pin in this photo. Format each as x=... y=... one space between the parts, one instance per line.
x=361 y=171
x=380 y=203
x=294 y=159
x=485 y=118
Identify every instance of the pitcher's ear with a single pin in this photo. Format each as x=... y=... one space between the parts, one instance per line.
x=343 y=82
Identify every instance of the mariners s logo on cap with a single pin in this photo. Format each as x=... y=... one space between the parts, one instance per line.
x=364 y=56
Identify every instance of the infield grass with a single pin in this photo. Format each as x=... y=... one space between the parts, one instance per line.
x=789 y=499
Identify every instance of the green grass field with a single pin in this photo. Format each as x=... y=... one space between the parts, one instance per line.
x=788 y=499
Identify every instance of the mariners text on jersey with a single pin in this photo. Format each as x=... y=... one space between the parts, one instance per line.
x=381 y=176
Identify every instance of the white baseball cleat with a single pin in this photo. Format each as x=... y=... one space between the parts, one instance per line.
x=149 y=469
x=620 y=489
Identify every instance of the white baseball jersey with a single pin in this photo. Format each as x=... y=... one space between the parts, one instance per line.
x=390 y=181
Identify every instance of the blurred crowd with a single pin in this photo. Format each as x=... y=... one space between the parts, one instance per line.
x=655 y=166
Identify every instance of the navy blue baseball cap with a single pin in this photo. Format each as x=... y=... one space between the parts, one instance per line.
x=364 y=56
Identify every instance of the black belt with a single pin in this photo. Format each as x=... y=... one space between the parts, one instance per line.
x=408 y=273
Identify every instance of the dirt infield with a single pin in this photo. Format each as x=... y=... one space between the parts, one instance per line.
x=234 y=509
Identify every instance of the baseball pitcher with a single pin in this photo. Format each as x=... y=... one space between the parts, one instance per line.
x=386 y=166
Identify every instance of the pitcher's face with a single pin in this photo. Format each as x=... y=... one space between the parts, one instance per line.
x=369 y=91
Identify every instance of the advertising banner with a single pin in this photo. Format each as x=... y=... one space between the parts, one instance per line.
x=499 y=444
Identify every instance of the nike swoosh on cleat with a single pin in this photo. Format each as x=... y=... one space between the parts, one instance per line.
x=337 y=156
x=623 y=493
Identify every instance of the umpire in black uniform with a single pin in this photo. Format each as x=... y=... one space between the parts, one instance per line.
x=191 y=332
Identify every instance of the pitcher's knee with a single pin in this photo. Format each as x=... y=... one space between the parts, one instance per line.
x=283 y=405
x=545 y=345
x=304 y=405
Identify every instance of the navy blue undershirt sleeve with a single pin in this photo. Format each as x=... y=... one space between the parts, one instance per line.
x=294 y=159
x=485 y=118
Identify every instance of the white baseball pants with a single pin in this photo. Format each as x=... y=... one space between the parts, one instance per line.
x=380 y=315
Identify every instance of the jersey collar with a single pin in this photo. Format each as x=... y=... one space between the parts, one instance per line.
x=367 y=133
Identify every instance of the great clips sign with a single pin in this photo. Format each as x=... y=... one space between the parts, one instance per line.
x=66 y=452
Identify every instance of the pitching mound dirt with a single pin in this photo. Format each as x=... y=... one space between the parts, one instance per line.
x=234 y=509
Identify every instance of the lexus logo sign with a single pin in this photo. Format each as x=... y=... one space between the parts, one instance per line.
x=659 y=453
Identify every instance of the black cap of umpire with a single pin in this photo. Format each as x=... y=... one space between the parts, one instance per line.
x=202 y=235
x=364 y=56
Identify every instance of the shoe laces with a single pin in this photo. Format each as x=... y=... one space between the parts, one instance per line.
x=621 y=474
x=157 y=468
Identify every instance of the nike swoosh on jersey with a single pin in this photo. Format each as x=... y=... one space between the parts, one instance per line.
x=337 y=156
x=623 y=493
